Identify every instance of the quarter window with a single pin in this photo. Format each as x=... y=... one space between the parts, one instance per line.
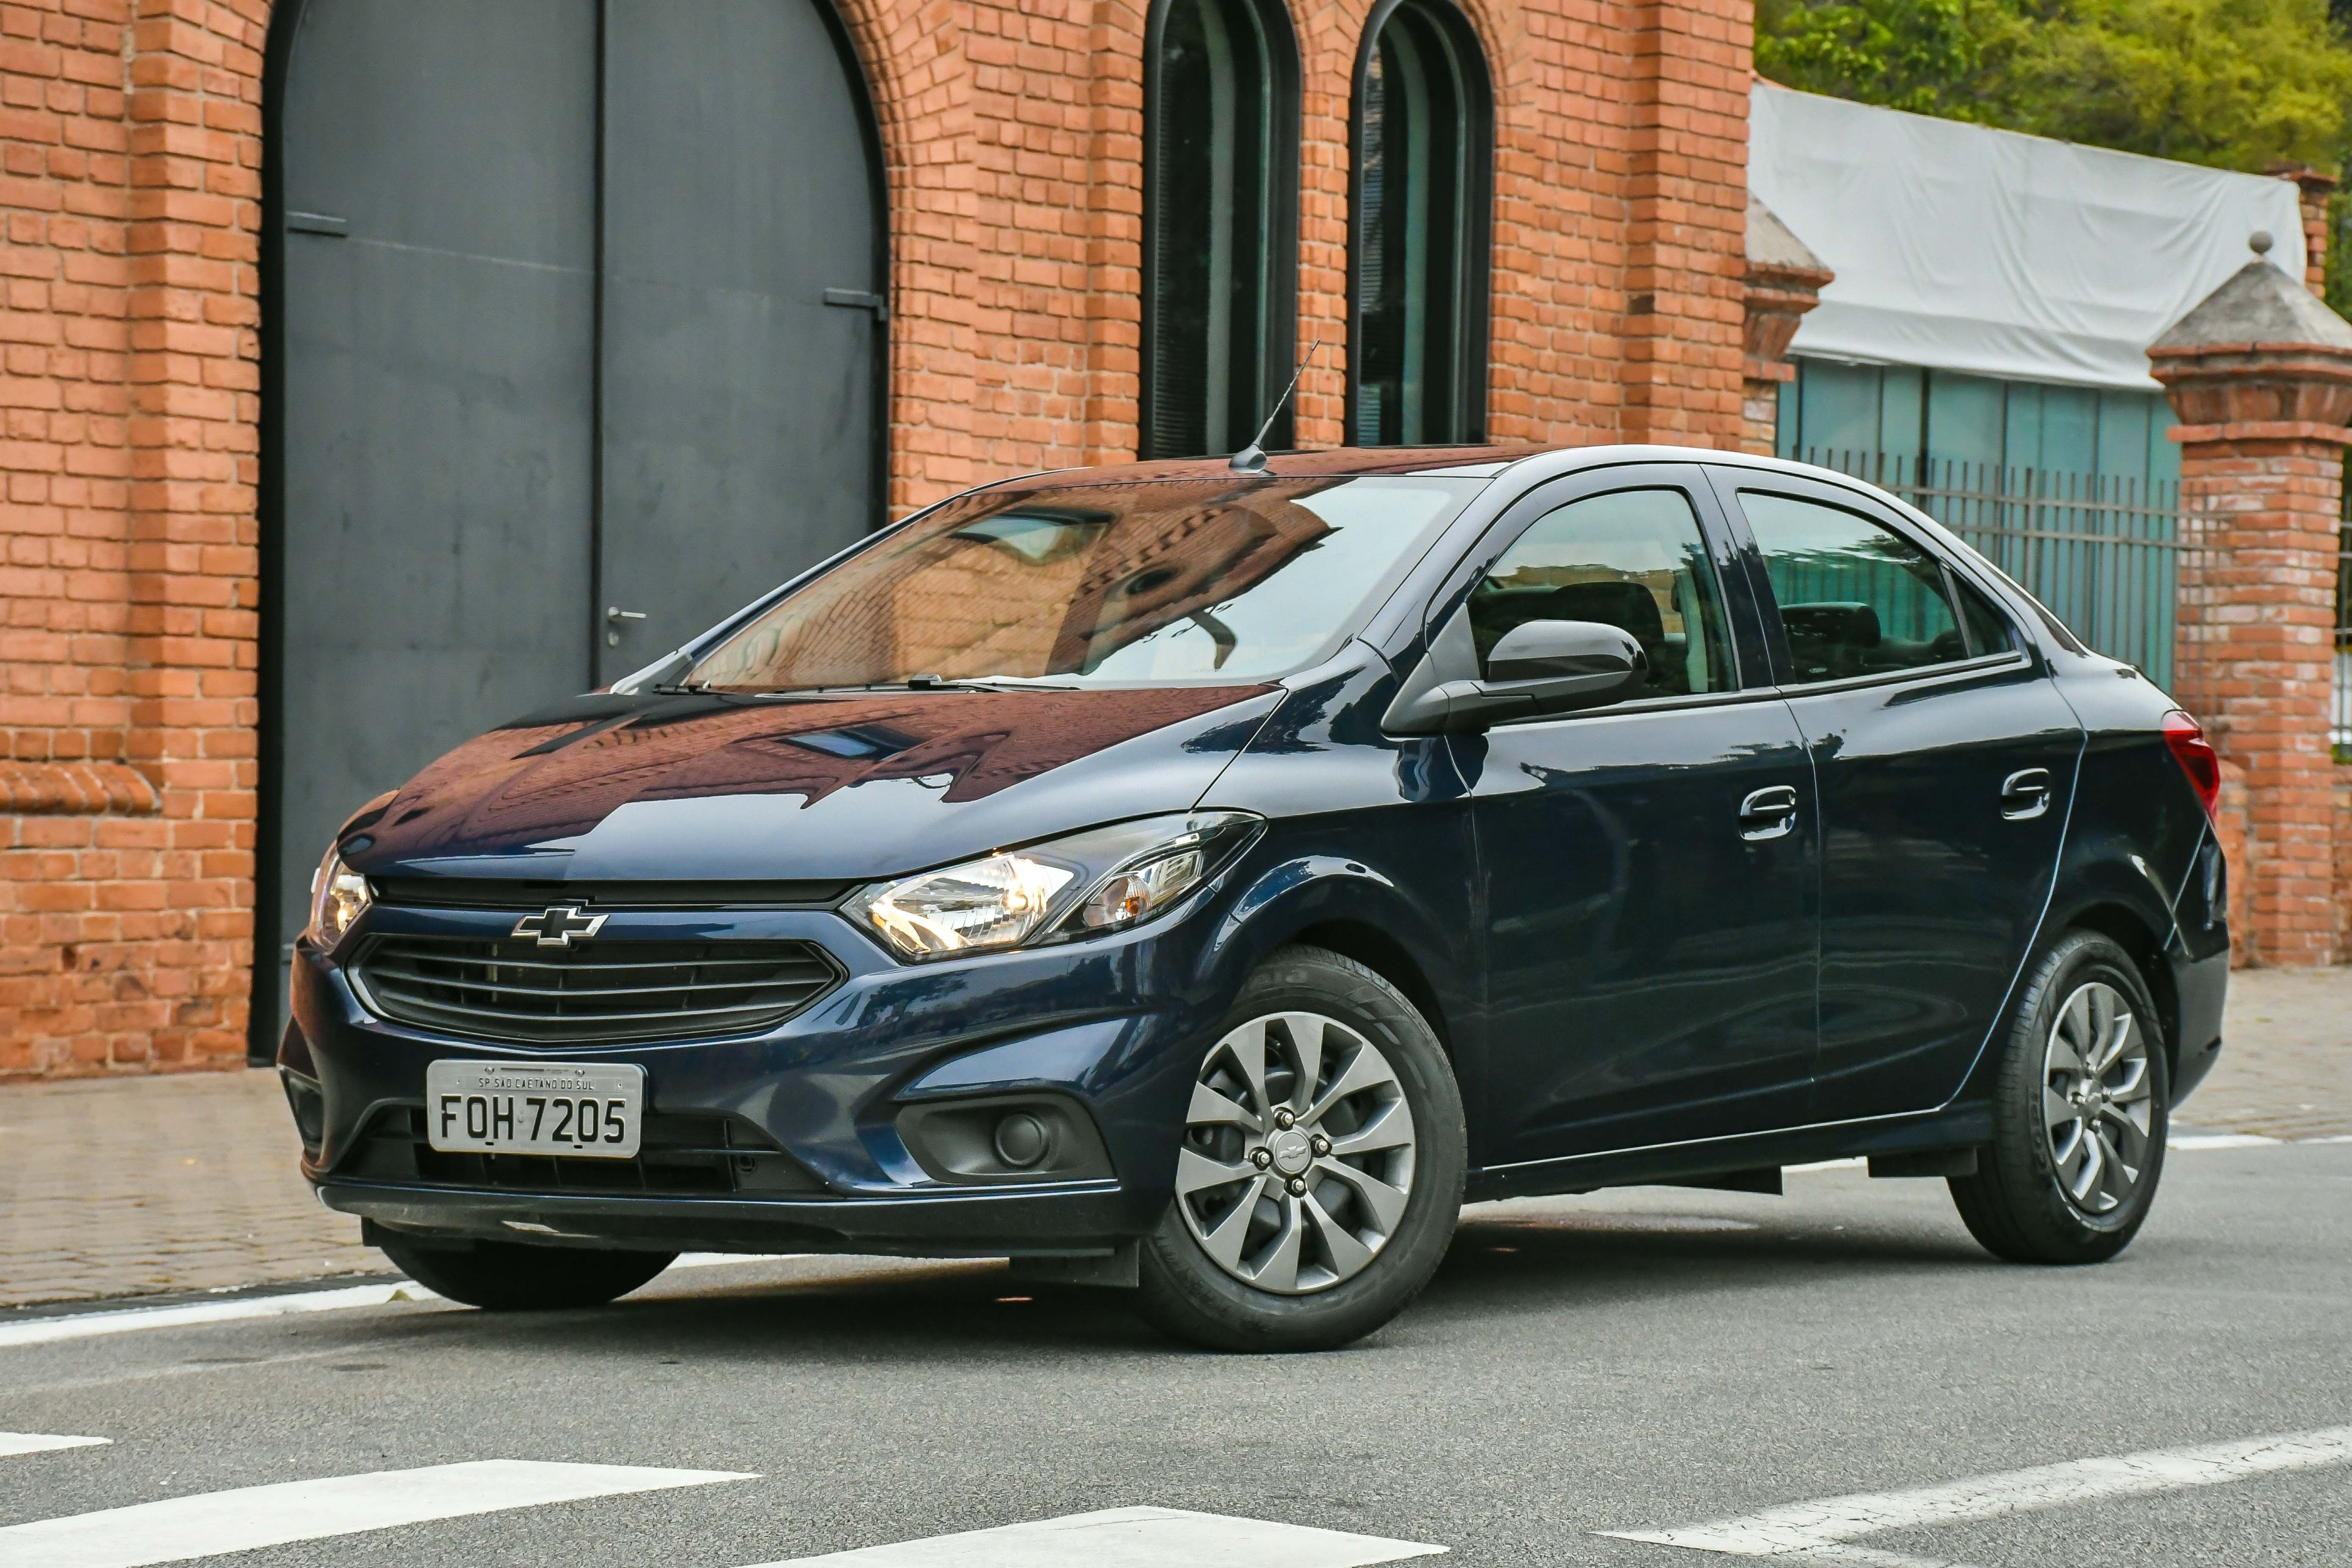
x=1632 y=559
x=1855 y=598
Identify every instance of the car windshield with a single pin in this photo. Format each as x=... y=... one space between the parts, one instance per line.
x=1154 y=583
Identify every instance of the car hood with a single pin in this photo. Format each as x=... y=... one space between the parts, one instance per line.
x=609 y=787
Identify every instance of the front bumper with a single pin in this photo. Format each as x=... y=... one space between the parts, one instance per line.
x=1111 y=1028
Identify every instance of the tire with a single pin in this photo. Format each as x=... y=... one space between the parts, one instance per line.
x=2042 y=1193
x=1355 y=1256
x=502 y=1277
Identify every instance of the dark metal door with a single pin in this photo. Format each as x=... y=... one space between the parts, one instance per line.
x=532 y=354
x=437 y=332
x=739 y=406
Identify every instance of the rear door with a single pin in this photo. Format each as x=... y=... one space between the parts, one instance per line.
x=1648 y=867
x=1945 y=761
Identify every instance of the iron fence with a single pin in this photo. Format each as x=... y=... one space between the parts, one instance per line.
x=2110 y=557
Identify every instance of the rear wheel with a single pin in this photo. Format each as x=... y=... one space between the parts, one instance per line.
x=503 y=1277
x=2080 y=1109
x=1321 y=1170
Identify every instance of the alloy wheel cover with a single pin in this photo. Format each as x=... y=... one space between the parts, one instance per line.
x=1297 y=1159
x=2098 y=1104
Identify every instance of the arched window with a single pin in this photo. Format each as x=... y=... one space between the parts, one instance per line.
x=1219 y=224
x=1423 y=146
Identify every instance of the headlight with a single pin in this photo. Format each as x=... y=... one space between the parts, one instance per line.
x=1102 y=879
x=338 y=895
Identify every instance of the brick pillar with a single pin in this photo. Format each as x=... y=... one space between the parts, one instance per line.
x=1687 y=140
x=2316 y=188
x=1785 y=280
x=2261 y=377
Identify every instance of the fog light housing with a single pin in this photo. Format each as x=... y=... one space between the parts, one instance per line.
x=309 y=1103
x=1003 y=1138
x=1022 y=1141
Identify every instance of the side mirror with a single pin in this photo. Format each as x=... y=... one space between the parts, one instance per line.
x=1539 y=667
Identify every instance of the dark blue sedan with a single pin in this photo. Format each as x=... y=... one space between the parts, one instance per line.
x=1203 y=878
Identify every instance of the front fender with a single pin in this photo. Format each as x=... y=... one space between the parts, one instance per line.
x=1416 y=931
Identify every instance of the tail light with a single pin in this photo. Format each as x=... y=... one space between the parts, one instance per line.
x=2196 y=757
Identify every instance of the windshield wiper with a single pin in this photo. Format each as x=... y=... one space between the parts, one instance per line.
x=928 y=683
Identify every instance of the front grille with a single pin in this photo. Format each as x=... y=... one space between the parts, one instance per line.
x=521 y=992
x=506 y=893
x=678 y=1156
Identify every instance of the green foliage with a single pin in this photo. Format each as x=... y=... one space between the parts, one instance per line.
x=1925 y=56
x=2231 y=83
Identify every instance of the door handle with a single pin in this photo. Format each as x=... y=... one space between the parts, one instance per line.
x=859 y=299
x=1768 y=813
x=2025 y=795
x=614 y=617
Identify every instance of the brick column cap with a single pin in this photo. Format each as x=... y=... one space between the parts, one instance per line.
x=2259 y=352
x=1784 y=280
x=2260 y=430
x=2316 y=184
x=2257 y=306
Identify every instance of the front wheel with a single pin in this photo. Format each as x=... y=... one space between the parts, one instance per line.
x=1322 y=1165
x=504 y=1276
x=2080 y=1106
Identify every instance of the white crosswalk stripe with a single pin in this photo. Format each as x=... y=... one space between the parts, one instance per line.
x=208 y=1525
x=1820 y=1531
x=43 y=1443
x=1130 y=1538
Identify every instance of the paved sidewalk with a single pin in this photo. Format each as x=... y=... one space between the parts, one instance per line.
x=133 y=1186
x=2287 y=1056
x=130 y=1186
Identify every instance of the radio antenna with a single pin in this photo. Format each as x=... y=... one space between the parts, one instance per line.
x=1250 y=459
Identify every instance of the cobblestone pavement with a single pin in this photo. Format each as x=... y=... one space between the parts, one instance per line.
x=2287 y=1056
x=131 y=1186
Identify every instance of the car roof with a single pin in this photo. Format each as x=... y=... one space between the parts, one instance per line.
x=1480 y=462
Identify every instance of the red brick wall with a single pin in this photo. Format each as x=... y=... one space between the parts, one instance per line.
x=129 y=165
x=132 y=155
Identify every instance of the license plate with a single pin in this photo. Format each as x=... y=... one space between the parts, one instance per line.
x=586 y=1111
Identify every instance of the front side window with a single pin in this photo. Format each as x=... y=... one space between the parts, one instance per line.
x=1632 y=559
x=1423 y=140
x=1855 y=598
x=1220 y=164
x=1192 y=580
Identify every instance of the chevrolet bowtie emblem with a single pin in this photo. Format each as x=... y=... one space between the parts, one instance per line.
x=559 y=925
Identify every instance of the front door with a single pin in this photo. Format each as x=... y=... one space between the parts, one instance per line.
x=1648 y=867
x=1946 y=762
x=575 y=319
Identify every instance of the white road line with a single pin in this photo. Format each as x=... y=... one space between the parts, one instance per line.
x=206 y=1524
x=1130 y=1538
x=90 y=1325
x=43 y=1443
x=1799 y=1528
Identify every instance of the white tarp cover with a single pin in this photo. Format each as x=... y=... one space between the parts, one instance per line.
x=1963 y=249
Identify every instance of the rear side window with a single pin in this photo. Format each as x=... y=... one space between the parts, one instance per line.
x=1855 y=598
x=1988 y=629
x=1632 y=559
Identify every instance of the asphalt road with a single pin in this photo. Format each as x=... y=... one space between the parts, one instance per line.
x=1628 y=1362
